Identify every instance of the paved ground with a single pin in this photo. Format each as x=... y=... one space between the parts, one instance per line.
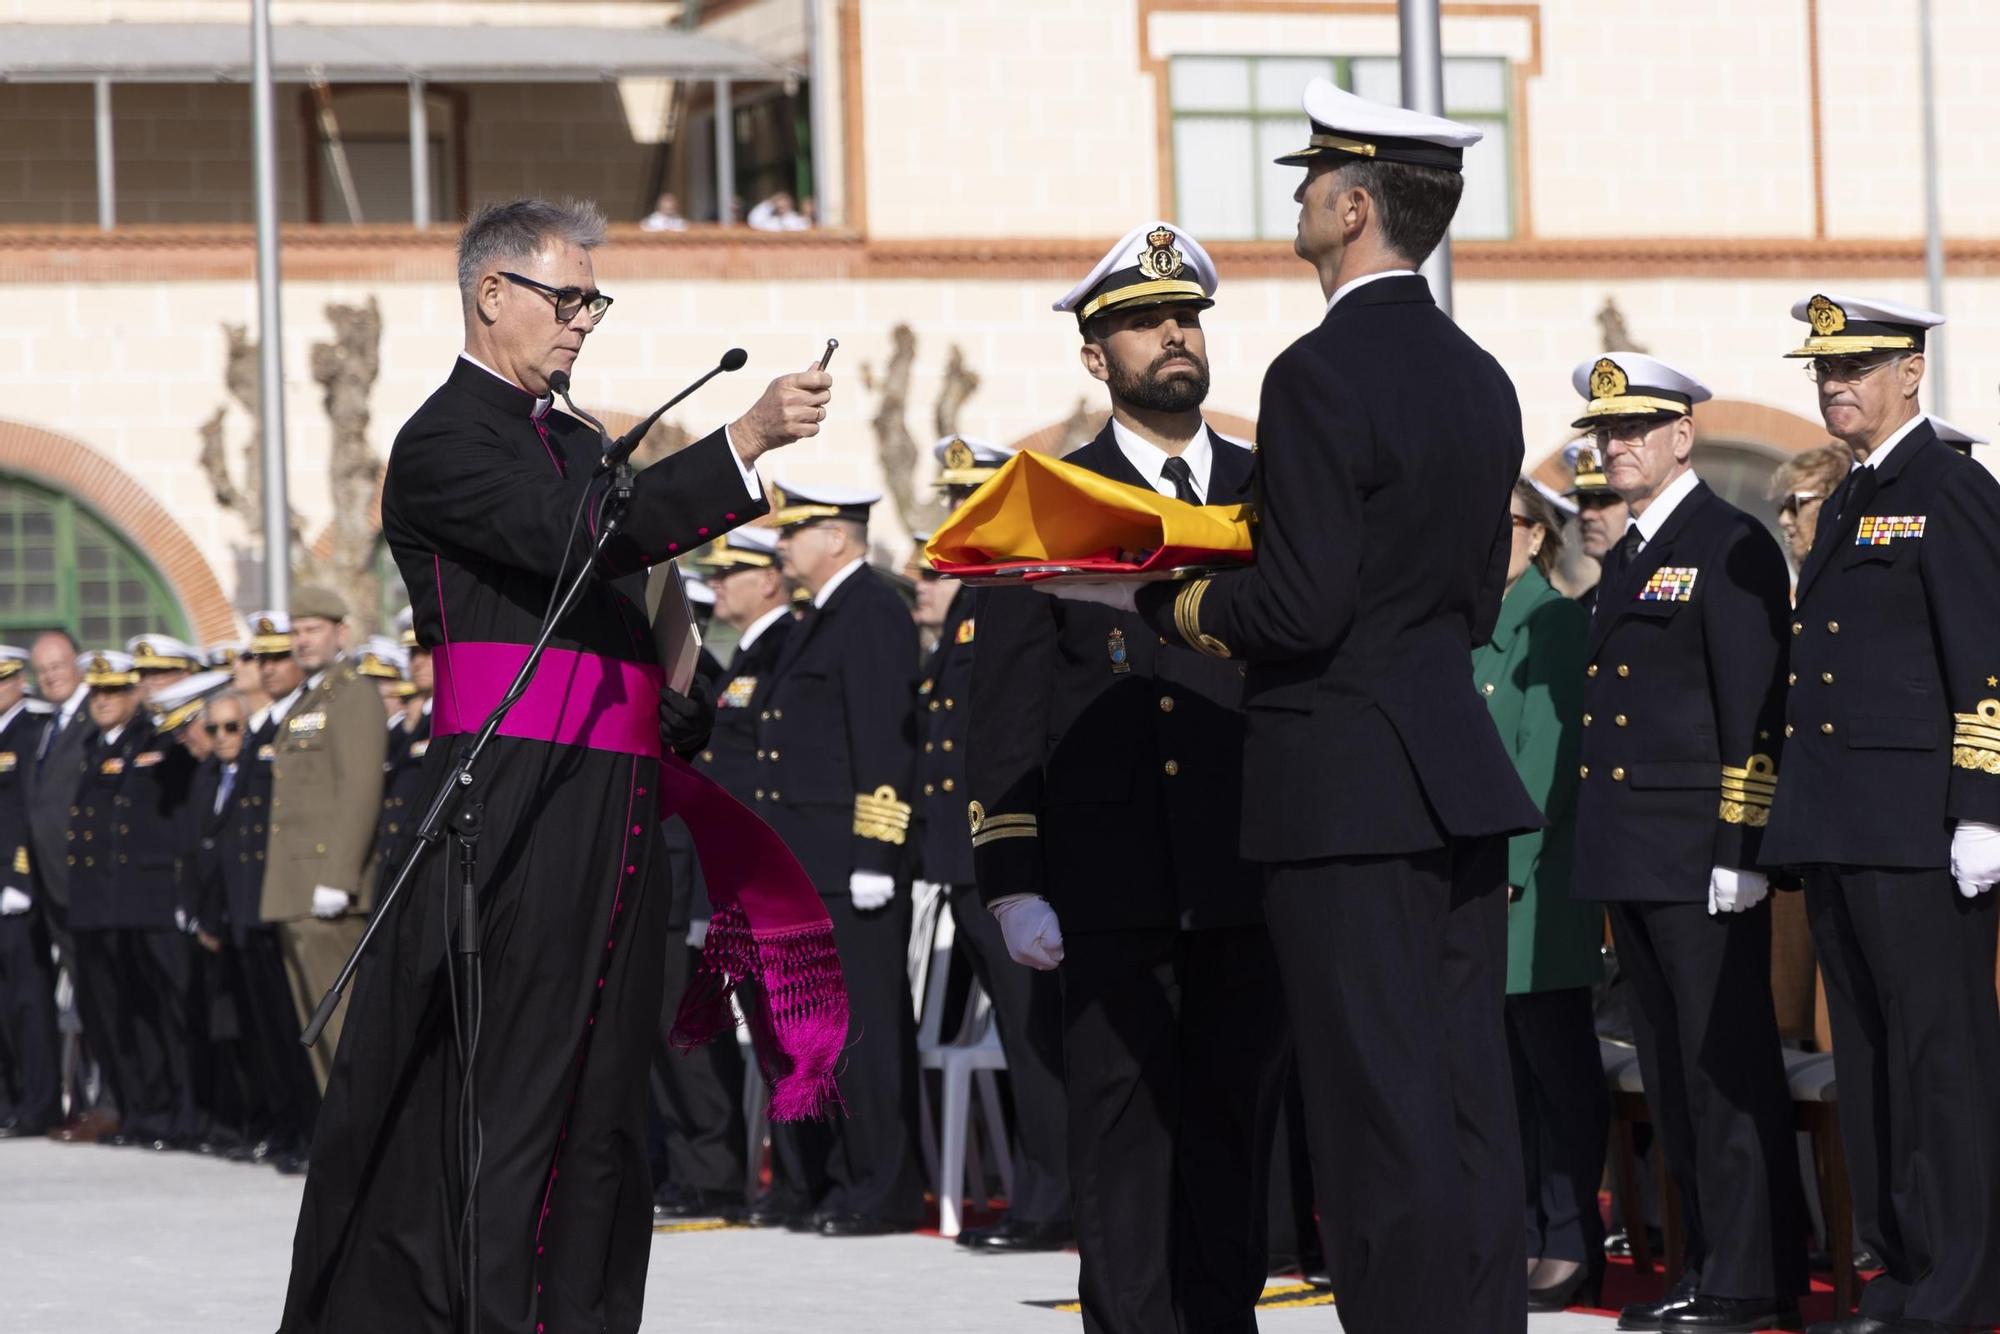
x=119 y=1239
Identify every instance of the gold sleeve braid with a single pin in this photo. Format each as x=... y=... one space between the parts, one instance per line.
x=878 y=815
x=21 y=860
x=1187 y=620
x=1747 y=792
x=1975 y=739
x=992 y=828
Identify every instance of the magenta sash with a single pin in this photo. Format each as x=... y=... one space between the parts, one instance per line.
x=769 y=927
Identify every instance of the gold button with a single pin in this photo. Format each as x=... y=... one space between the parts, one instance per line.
x=1586 y=720
x=760 y=794
x=935 y=706
x=1590 y=670
x=1166 y=704
x=1826 y=677
x=1792 y=679
x=1827 y=728
x=1172 y=767
x=1833 y=627
x=708 y=757
x=1583 y=771
x=1789 y=729
x=1623 y=670
x=930 y=789
x=1486 y=689
x=929 y=747
x=778 y=714
x=774 y=754
x=760 y=754
x=776 y=795
x=1163 y=641
x=948 y=785
x=764 y=717
x=947 y=745
x=1798 y=627
x=948 y=703
x=320 y=848
x=1617 y=775
x=1620 y=720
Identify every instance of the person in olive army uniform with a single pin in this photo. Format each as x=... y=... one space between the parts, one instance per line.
x=1027 y=1002
x=1890 y=802
x=836 y=743
x=126 y=909
x=1105 y=771
x=1682 y=705
x=30 y=1043
x=326 y=792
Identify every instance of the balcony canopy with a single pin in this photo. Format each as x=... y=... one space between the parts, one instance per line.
x=369 y=53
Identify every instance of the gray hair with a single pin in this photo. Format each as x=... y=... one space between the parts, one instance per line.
x=517 y=229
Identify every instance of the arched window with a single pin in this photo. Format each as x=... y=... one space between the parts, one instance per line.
x=63 y=567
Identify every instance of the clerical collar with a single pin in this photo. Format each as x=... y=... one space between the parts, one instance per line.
x=540 y=406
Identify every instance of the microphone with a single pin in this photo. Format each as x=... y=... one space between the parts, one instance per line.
x=559 y=384
x=619 y=451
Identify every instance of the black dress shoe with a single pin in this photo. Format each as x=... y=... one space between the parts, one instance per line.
x=1583 y=1288
x=677 y=1203
x=25 y=1129
x=1853 y=1324
x=1009 y=1235
x=775 y=1211
x=1618 y=1244
x=1733 y=1315
x=288 y=1164
x=861 y=1225
x=1647 y=1315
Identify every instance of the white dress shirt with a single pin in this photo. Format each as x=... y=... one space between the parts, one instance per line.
x=756 y=628
x=840 y=577
x=1881 y=451
x=1663 y=507
x=1363 y=281
x=1150 y=459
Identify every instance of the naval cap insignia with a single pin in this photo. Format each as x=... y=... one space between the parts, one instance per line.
x=958 y=456
x=1607 y=379
x=1161 y=260
x=1825 y=317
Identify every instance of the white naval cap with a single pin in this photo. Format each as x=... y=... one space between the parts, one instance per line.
x=406 y=627
x=1632 y=384
x=270 y=634
x=382 y=657
x=162 y=653
x=1958 y=438
x=792 y=506
x=1156 y=263
x=107 y=667
x=965 y=461
x=752 y=547
x=13 y=661
x=1564 y=504
x=178 y=703
x=695 y=588
x=1845 y=325
x=1355 y=127
x=223 y=654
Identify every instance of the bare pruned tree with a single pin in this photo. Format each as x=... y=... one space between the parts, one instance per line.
x=895 y=448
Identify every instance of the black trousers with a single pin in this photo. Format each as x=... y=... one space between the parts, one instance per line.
x=30 y=1044
x=140 y=984
x=1565 y=1116
x=1395 y=972
x=1174 y=1044
x=1909 y=968
x=286 y=1087
x=1715 y=1083
x=1027 y=1006
x=872 y=1165
x=702 y=1102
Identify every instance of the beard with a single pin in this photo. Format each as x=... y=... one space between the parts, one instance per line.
x=1151 y=391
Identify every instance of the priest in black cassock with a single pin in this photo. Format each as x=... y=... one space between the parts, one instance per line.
x=477 y=508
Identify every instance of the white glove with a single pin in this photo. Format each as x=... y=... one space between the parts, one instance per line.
x=330 y=902
x=1029 y=926
x=13 y=902
x=1975 y=857
x=697 y=935
x=1731 y=890
x=1113 y=593
x=923 y=888
x=871 y=889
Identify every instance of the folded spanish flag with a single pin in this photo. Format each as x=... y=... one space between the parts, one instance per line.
x=1041 y=518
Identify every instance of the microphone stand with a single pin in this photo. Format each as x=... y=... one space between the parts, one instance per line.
x=467 y=823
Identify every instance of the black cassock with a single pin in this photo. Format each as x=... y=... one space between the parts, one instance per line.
x=573 y=882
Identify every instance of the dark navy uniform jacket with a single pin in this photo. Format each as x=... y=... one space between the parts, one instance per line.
x=730 y=757
x=405 y=796
x=1107 y=764
x=126 y=834
x=1894 y=711
x=1682 y=709
x=836 y=735
x=20 y=743
x=1389 y=443
x=947 y=844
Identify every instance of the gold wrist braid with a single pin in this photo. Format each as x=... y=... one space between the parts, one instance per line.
x=1975 y=740
x=1747 y=792
x=878 y=815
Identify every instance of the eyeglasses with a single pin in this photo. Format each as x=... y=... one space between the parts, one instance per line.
x=230 y=729
x=568 y=300
x=1798 y=500
x=1523 y=521
x=1845 y=370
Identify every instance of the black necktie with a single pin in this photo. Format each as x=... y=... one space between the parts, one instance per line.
x=1176 y=470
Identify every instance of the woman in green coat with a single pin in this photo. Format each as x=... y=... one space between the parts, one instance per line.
x=1531 y=674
